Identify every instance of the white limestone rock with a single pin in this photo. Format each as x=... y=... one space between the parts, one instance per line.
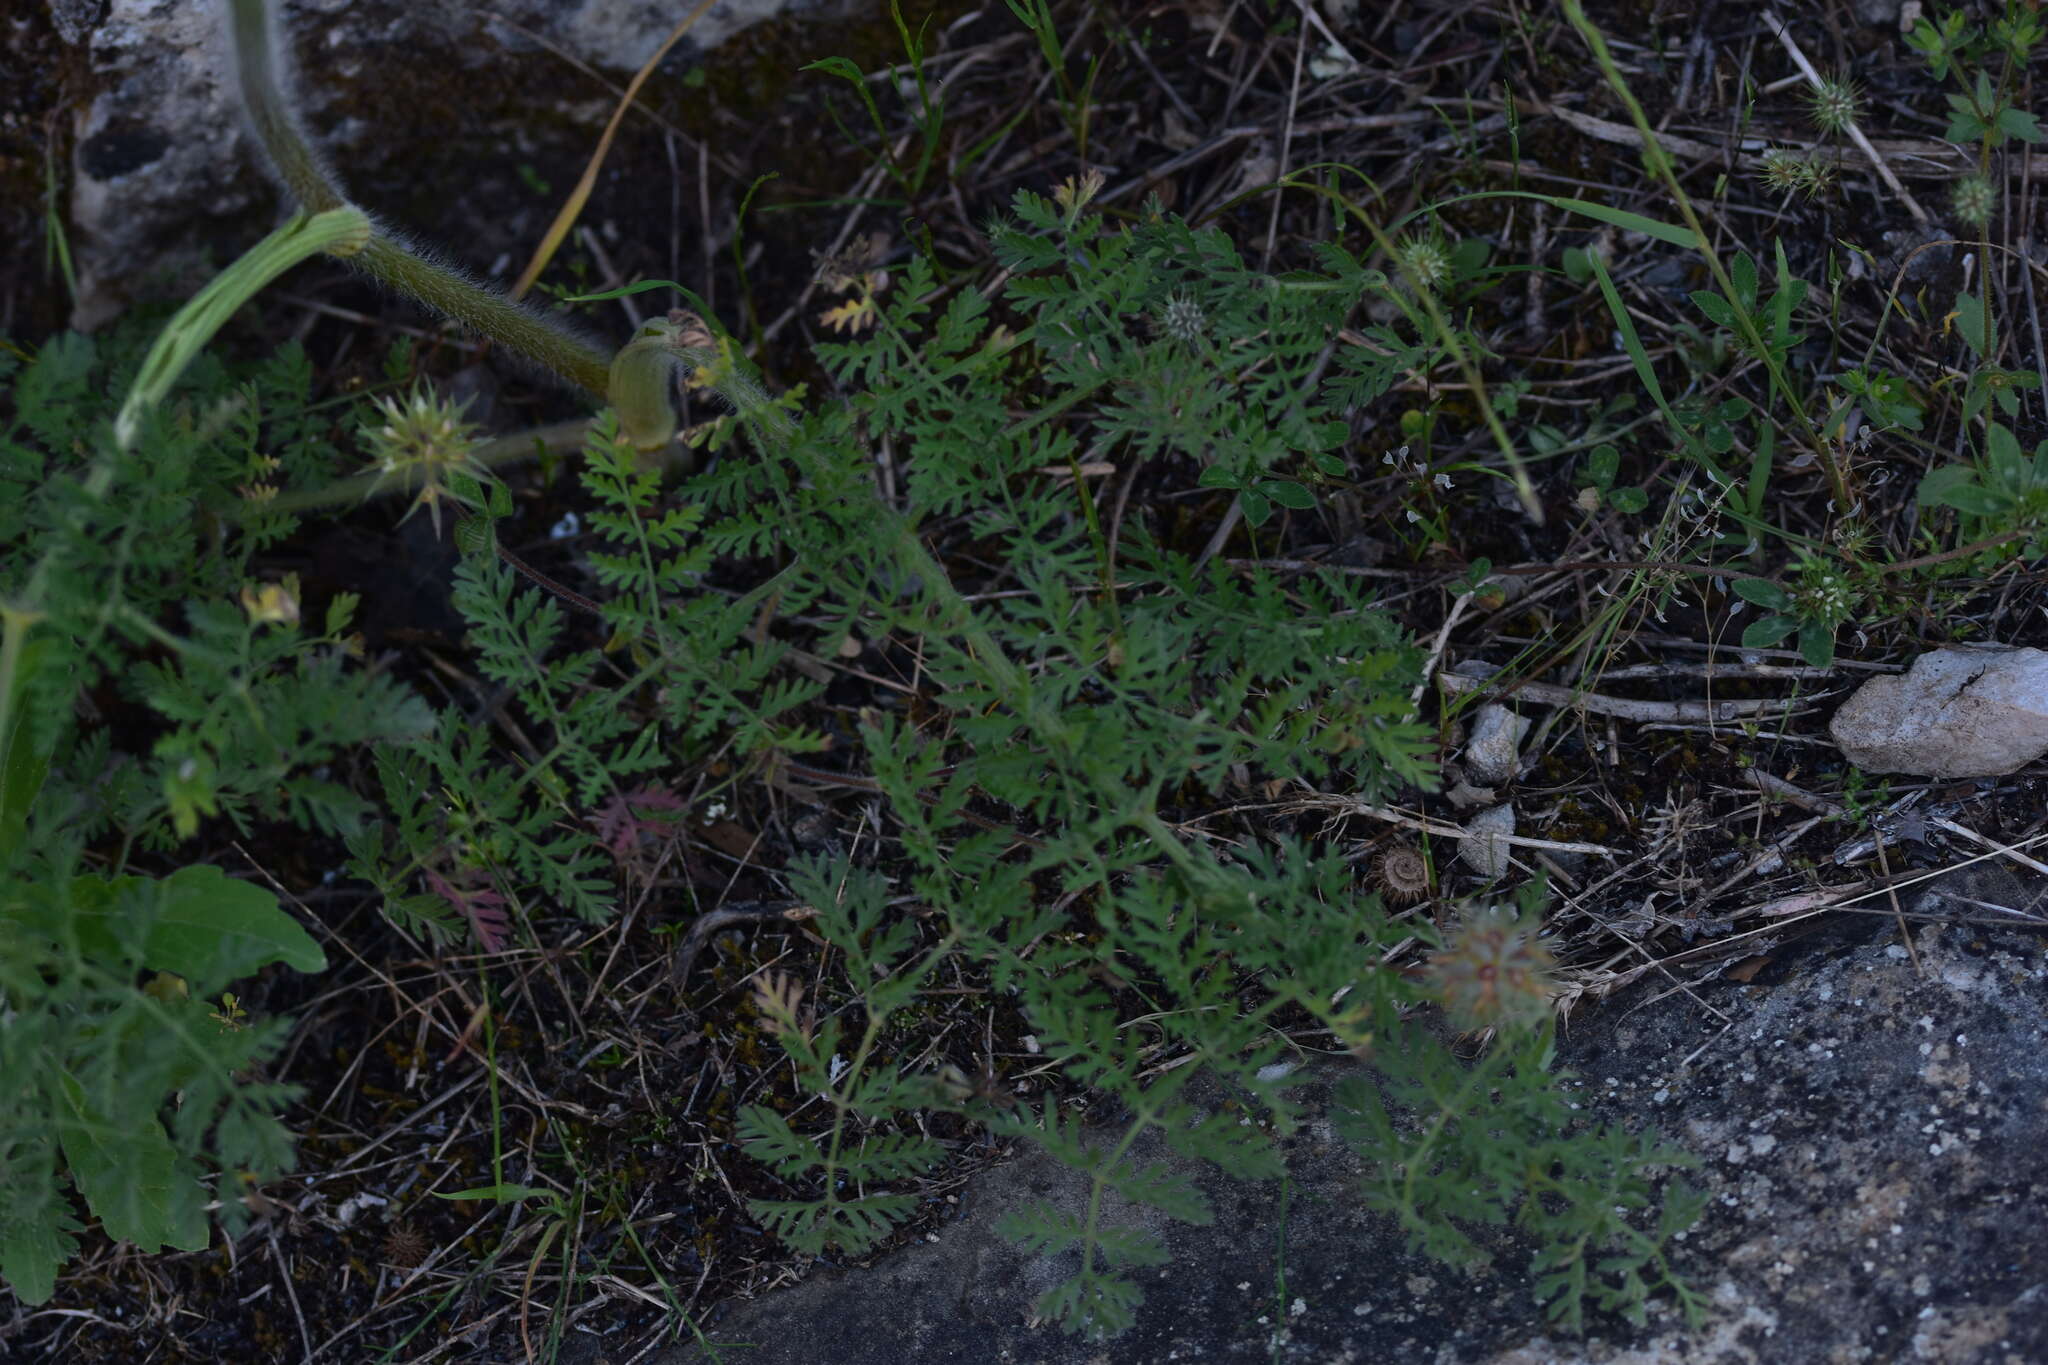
x=165 y=183
x=1957 y=712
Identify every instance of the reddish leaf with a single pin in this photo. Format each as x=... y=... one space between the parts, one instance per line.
x=623 y=819
x=484 y=909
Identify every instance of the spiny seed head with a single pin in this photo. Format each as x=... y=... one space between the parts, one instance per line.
x=1854 y=538
x=423 y=442
x=1182 y=318
x=1427 y=261
x=1493 y=971
x=1782 y=170
x=1973 y=199
x=1834 y=103
x=421 y=429
x=1788 y=174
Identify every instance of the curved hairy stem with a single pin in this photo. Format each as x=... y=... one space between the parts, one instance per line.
x=260 y=73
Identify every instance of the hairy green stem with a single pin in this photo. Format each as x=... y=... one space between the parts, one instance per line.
x=260 y=72
x=510 y=324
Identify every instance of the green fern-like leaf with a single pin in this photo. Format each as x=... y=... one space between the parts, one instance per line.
x=1094 y=1304
x=768 y=1138
x=852 y=1226
x=1041 y=1229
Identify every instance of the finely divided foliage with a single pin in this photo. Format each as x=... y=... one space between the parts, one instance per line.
x=1116 y=676
x=1116 y=679
x=1089 y=680
x=126 y=1069
x=1084 y=679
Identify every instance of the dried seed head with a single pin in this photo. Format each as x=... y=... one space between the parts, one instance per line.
x=1074 y=193
x=840 y=270
x=1494 y=971
x=1402 y=874
x=404 y=1247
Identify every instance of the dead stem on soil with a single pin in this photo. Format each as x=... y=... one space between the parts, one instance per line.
x=1624 y=708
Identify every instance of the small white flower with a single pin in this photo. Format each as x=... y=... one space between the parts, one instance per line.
x=1413 y=516
x=1442 y=481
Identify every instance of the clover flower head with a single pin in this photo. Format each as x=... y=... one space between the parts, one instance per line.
x=1427 y=260
x=1825 y=592
x=1494 y=970
x=1789 y=174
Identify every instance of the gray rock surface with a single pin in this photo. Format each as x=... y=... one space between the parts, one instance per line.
x=1871 y=1128
x=1494 y=753
x=1482 y=848
x=1957 y=712
x=162 y=157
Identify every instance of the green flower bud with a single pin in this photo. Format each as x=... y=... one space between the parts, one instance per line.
x=643 y=376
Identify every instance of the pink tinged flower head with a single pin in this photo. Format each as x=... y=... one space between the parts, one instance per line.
x=1494 y=971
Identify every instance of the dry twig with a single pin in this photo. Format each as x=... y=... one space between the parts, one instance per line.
x=1622 y=708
